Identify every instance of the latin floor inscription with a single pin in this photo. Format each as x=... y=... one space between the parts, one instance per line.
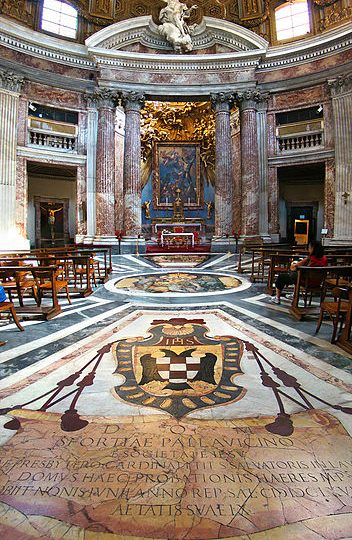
x=155 y=477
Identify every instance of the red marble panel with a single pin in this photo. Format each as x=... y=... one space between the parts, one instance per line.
x=45 y=65
x=22 y=121
x=21 y=196
x=301 y=70
x=53 y=96
x=294 y=99
x=329 y=197
x=273 y=202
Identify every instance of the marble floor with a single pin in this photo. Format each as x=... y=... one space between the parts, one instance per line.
x=175 y=402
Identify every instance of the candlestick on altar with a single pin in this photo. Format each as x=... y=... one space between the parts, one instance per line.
x=137 y=252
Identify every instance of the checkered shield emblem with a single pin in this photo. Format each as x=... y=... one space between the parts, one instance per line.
x=178 y=369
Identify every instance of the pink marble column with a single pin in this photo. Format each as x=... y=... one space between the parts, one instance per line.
x=132 y=102
x=223 y=164
x=105 y=177
x=119 y=159
x=273 y=203
x=329 y=197
x=250 y=162
x=236 y=167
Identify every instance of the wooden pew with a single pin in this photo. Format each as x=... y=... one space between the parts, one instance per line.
x=306 y=273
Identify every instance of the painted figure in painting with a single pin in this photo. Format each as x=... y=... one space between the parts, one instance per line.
x=173 y=24
x=178 y=170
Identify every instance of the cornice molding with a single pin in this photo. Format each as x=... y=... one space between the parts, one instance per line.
x=259 y=56
x=308 y=49
x=21 y=39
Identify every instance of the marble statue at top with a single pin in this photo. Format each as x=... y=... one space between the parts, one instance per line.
x=174 y=27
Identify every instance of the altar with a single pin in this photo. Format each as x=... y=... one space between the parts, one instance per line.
x=177 y=239
x=170 y=226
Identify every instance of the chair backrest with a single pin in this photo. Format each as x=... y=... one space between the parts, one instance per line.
x=313 y=279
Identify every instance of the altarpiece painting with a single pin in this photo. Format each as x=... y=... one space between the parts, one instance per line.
x=177 y=167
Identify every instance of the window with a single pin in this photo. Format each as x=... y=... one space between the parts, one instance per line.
x=59 y=18
x=58 y=115
x=292 y=19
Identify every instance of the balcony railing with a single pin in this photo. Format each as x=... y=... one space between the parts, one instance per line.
x=54 y=142
x=302 y=141
x=52 y=135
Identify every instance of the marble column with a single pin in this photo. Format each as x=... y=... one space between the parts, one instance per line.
x=250 y=162
x=11 y=236
x=132 y=103
x=105 y=167
x=223 y=170
x=341 y=94
x=236 y=167
x=119 y=159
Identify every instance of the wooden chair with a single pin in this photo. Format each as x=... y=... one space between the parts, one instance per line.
x=8 y=306
x=336 y=310
x=48 y=281
x=311 y=285
x=80 y=272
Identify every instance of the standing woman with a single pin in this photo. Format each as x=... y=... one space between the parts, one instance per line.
x=315 y=257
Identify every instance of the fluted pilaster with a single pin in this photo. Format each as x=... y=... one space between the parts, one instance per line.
x=132 y=102
x=91 y=144
x=11 y=237
x=341 y=93
x=223 y=164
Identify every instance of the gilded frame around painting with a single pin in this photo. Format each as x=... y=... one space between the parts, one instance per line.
x=177 y=166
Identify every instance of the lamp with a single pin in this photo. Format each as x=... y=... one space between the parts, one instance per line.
x=320 y=108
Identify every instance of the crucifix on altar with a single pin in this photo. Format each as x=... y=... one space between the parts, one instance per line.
x=178 y=214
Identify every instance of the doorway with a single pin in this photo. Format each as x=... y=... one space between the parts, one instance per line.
x=301 y=196
x=51 y=222
x=301 y=212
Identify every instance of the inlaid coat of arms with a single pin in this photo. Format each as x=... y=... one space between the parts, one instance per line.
x=178 y=368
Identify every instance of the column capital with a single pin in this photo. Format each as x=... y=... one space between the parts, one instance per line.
x=133 y=101
x=102 y=98
x=221 y=102
x=10 y=81
x=340 y=85
x=250 y=99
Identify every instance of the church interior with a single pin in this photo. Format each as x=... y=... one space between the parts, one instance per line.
x=162 y=166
